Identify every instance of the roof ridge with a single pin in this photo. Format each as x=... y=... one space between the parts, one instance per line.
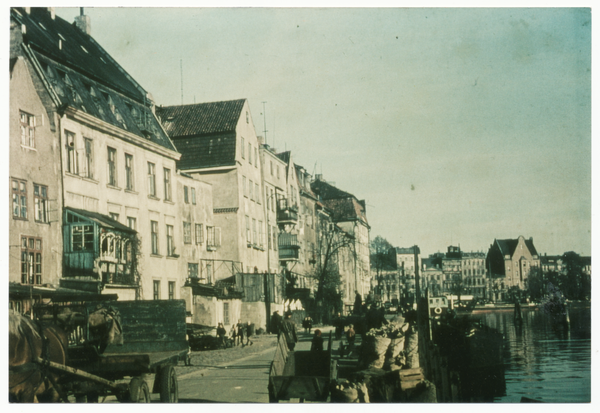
x=202 y=103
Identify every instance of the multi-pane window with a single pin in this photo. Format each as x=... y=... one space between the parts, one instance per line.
x=255 y=157
x=193 y=196
x=261 y=234
x=167 y=173
x=156 y=289
x=31 y=260
x=243 y=150
x=129 y=172
x=114 y=216
x=199 y=234
x=154 y=236
x=257 y=193
x=277 y=171
x=27 y=130
x=187 y=233
x=171 y=290
x=132 y=223
x=185 y=195
x=82 y=237
x=213 y=236
x=112 y=166
x=192 y=270
x=170 y=242
x=271 y=168
x=40 y=199
x=89 y=158
x=151 y=179
x=19 y=199
x=226 y=320
x=72 y=157
x=250 y=153
x=245 y=186
x=251 y=189
x=254 y=240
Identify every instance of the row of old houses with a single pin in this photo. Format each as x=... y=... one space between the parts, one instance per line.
x=507 y=264
x=112 y=194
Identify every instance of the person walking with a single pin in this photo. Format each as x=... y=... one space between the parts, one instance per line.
x=351 y=337
x=288 y=329
x=249 y=333
x=240 y=332
x=338 y=323
x=307 y=324
x=317 y=341
x=275 y=322
x=221 y=332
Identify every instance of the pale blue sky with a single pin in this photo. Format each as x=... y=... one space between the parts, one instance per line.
x=457 y=126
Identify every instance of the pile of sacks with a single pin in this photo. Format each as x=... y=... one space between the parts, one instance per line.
x=383 y=348
x=350 y=392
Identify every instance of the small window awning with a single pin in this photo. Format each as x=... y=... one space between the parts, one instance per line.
x=103 y=221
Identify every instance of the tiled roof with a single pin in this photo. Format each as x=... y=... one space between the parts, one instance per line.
x=201 y=119
x=86 y=78
x=346 y=209
x=508 y=246
x=409 y=250
x=206 y=151
x=327 y=191
x=66 y=44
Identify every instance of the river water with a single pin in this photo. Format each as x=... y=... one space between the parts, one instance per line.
x=542 y=362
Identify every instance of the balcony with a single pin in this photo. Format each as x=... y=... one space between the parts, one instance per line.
x=289 y=247
x=286 y=213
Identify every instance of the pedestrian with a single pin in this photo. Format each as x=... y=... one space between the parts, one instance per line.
x=240 y=332
x=307 y=324
x=221 y=332
x=233 y=333
x=338 y=323
x=275 y=322
x=317 y=341
x=351 y=337
x=357 y=303
x=288 y=329
x=249 y=333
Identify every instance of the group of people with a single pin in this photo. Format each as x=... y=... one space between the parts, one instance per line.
x=237 y=333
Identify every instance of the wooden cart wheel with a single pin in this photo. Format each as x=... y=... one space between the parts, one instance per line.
x=138 y=391
x=169 y=390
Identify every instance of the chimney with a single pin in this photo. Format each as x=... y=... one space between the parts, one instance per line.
x=52 y=13
x=83 y=22
x=261 y=140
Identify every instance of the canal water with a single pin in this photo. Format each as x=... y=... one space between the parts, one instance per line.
x=543 y=361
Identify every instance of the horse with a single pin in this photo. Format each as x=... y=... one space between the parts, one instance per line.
x=29 y=380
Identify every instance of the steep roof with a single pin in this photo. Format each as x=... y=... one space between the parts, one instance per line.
x=82 y=75
x=327 y=191
x=409 y=250
x=508 y=246
x=344 y=205
x=201 y=119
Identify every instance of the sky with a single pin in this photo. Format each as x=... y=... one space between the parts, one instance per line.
x=457 y=126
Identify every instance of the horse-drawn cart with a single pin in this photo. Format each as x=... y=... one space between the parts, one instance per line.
x=306 y=375
x=117 y=347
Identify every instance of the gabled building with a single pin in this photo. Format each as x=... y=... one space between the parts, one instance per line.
x=509 y=262
x=35 y=234
x=350 y=215
x=116 y=161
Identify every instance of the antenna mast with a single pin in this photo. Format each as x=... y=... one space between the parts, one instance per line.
x=181 y=75
x=265 y=122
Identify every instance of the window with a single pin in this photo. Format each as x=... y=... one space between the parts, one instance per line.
x=226 y=320
x=40 y=199
x=243 y=150
x=255 y=157
x=187 y=233
x=199 y=234
x=19 y=197
x=250 y=153
x=247 y=117
x=271 y=168
x=261 y=234
x=27 y=130
x=213 y=236
x=132 y=222
x=274 y=239
x=151 y=179
x=269 y=237
x=257 y=193
x=82 y=237
x=192 y=270
x=129 y=172
x=112 y=166
x=156 y=289
x=170 y=243
x=154 y=236
x=254 y=240
x=272 y=200
x=251 y=189
x=171 y=290
x=247 y=229
x=277 y=171
x=193 y=196
x=31 y=260
x=114 y=216
x=167 y=184
x=89 y=158
x=72 y=158
x=245 y=186
x=185 y=195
